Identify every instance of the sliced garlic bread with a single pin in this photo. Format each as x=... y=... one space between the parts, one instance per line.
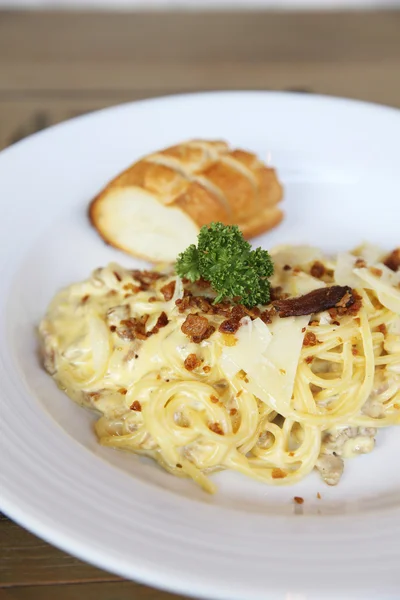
x=156 y=207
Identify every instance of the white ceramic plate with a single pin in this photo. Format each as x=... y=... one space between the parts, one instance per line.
x=339 y=164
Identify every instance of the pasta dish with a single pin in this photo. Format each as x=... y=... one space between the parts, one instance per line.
x=272 y=391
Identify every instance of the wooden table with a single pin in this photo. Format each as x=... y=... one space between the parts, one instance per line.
x=57 y=65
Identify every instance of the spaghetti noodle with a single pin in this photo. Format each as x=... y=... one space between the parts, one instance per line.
x=273 y=400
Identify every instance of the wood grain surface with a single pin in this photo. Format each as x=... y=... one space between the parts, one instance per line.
x=54 y=66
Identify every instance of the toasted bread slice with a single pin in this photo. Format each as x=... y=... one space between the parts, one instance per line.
x=156 y=207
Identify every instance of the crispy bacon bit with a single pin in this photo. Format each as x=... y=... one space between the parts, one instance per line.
x=229 y=326
x=113 y=328
x=202 y=283
x=375 y=271
x=333 y=313
x=309 y=359
x=287 y=268
x=353 y=309
x=266 y=316
x=168 y=290
x=317 y=270
x=277 y=293
x=84 y=299
x=206 y=369
x=303 y=329
x=133 y=328
x=207 y=334
x=117 y=276
x=314 y=324
x=336 y=323
x=214 y=399
x=145 y=278
x=203 y=304
x=310 y=339
x=123 y=391
x=298 y=500
x=216 y=428
x=382 y=328
x=278 y=474
x=197 y=328
x=360 y=263
x=152 y=299
x=233 y=411
x=162 y=321
x=393 y=260
x=183 y=303
x=253 y=313
x=222 y=308
x=192 y=362
x=315 y=301
x=136 y=406
x=345 y=301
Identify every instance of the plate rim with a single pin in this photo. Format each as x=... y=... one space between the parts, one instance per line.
x=29 y=521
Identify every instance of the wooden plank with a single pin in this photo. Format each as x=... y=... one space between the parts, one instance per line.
x=56 y=65
x=25 y=560
x=200 y=36
x=21 y=118
x=123 y=590
x=376 y=82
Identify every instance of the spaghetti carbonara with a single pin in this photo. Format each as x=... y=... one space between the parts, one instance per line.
x=202 y=387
